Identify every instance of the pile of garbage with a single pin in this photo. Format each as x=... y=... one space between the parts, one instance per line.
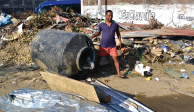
x=169 y=56
x=22 y=15
x=17 y=34
x=153 y=24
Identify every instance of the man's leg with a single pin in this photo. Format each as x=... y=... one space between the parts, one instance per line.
x=101 y=53
x=117 y=65
x=113 y=53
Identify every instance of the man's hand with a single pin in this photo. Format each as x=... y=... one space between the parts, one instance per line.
x=120 y=45
x=119 y=37
x=95 y=35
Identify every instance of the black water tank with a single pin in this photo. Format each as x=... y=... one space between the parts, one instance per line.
x=62 y=53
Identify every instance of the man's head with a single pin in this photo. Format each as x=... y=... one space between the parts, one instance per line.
x=109 y=15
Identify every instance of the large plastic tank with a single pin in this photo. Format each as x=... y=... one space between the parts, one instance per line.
x=62 y=53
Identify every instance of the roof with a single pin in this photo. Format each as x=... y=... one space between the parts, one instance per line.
x=47 y=3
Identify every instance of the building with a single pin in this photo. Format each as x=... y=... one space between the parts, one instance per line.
x=173 y=13
x=17 y=6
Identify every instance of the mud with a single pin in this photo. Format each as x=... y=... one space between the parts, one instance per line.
x=170 y=103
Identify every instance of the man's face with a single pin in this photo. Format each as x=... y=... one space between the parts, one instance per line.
x=109 y=16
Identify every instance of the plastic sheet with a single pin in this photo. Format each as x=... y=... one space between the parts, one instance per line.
x=5 y=20
x=26 y=100
x=140 y=69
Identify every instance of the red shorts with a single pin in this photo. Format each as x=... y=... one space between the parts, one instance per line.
x=104 y=51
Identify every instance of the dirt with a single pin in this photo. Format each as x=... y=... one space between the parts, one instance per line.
x=15 y=61
x=136 y=84
x=169 y=103
x=29 y=80
x=151 y=93
x=15 y=53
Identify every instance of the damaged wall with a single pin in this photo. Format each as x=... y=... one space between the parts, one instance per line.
x=173 y=13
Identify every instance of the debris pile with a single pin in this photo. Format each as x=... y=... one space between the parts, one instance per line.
x=153 y=24
x=155 y=50
x=168 y=55
x=16 y=34
x=22 y=15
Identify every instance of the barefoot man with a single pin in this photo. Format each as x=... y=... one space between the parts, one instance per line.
x=108 y=45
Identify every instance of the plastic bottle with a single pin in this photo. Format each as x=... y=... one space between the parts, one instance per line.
x=184 y=75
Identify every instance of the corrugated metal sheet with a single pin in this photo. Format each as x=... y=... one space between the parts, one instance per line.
x=119 y=101
x=158 y=32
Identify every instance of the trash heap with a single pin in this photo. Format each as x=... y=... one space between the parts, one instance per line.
x=170 y=56
x=156 y=52
x=16 y=34
x=163 y=54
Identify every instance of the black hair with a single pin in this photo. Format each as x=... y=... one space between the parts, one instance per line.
x=108 y=11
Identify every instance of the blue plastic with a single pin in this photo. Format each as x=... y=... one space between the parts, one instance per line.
x=5 y=21
x=47 y=3
x=184 y=75
x=164 y=48
x=186 y=58
x=52 y=3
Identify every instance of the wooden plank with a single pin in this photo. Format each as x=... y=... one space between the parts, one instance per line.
x=148 y=58
x=52 y=26
x=64 y=84
x=154 y=59
x=155 y=50
x=148 y=38
x=139 y=42
x=182 y=92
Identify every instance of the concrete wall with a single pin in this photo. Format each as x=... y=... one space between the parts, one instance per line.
x=170 y=12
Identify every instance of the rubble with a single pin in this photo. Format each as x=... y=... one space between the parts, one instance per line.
x=153 y=24
x=164 y=50
x=11 y=35
x=71 y=22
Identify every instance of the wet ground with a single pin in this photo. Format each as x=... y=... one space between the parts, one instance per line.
x=171 y=103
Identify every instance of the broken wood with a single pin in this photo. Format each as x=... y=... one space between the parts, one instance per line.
x=52 y=26
x=139 y=42
x=148 y=58
x=150 y=38
x=154 y=59
x=157 y=52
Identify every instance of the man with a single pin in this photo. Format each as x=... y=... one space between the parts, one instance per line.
x=108 y=45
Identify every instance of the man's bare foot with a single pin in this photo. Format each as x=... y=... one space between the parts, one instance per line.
x=121 y=75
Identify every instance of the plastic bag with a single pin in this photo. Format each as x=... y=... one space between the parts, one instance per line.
x=141 y=69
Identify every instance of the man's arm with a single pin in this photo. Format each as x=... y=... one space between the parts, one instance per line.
x=96 y=34
x=119 y=37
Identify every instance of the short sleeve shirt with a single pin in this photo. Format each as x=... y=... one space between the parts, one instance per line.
x=108 y=34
